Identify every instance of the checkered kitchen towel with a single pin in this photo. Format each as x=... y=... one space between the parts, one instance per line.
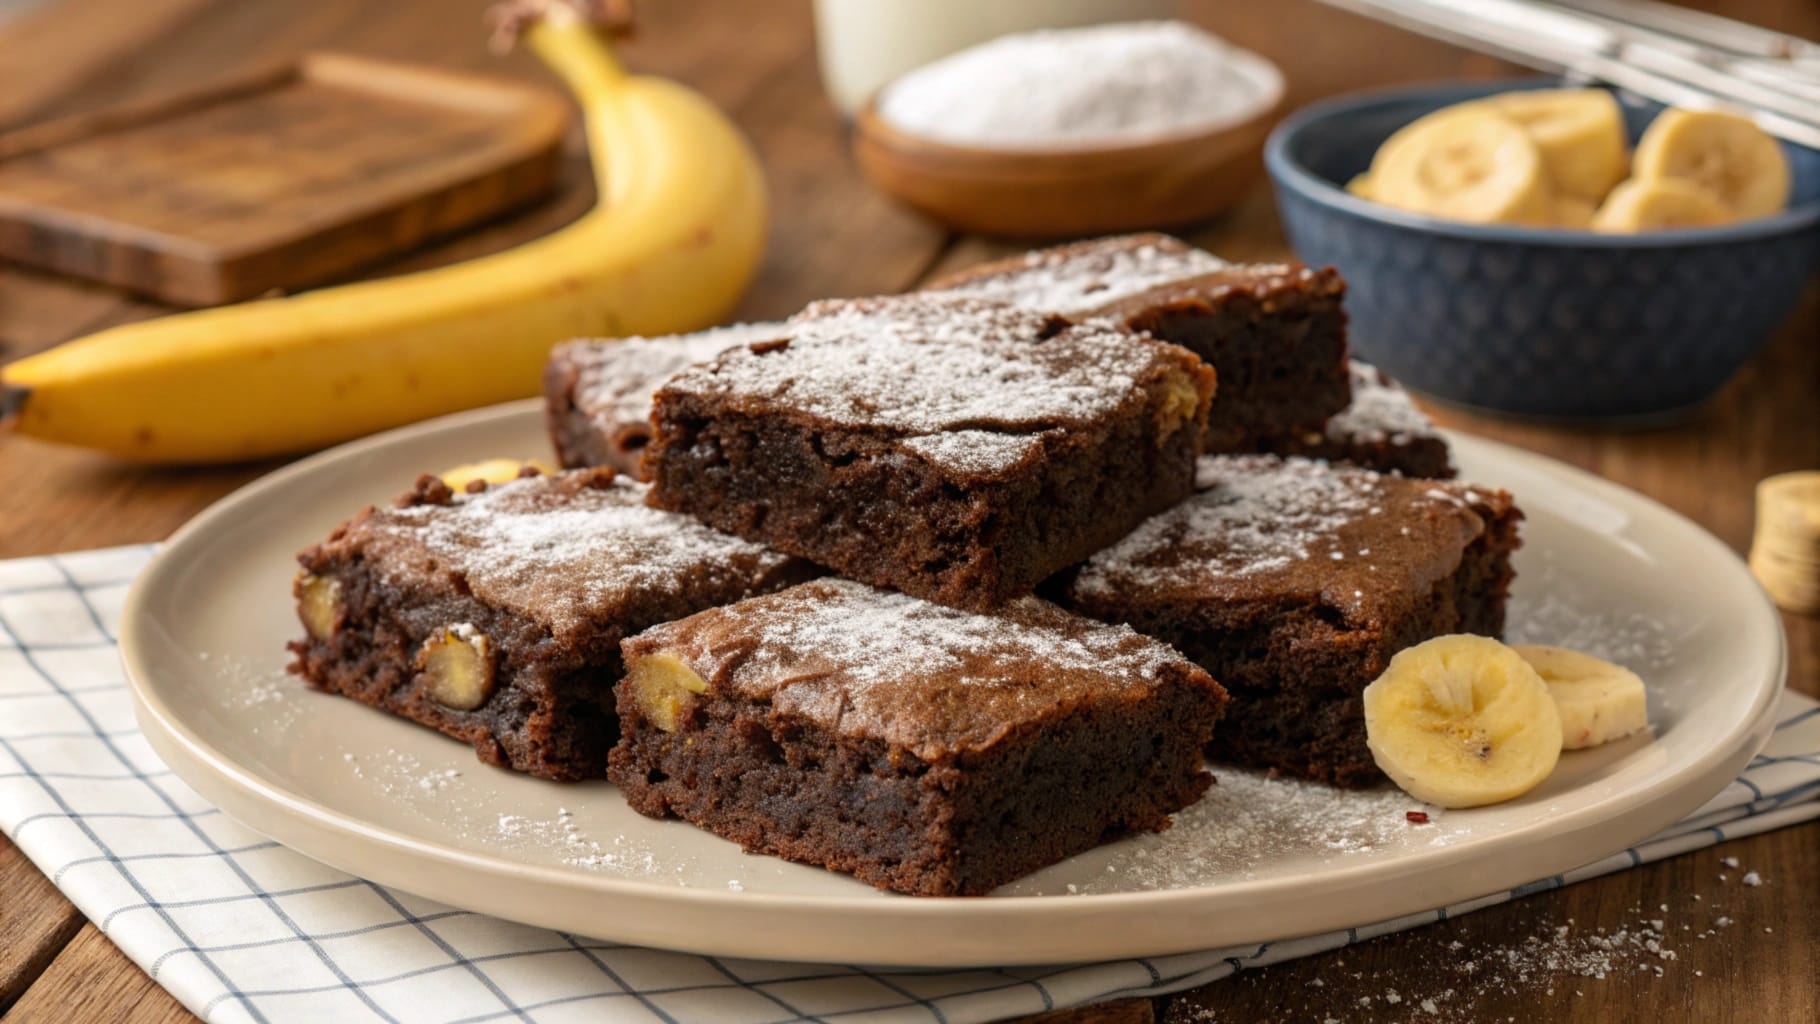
x=241 y=929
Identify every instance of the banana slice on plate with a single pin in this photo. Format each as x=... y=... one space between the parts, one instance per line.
x=1580 y=133
x=1659 y=204
x=1467 y=163
x=1360 y=186
x=1599 y=702
x=1727 y=155
x=493 y=471
x=1461 y=721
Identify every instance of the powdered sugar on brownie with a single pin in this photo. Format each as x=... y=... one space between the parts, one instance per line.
x=1251 y=518
x=1267 y=522
x=881 y=664
x=567 y=556
x=617 y=376
x=979 y=452
x=929 y=363
x=1076 y=279
x=1380 y=411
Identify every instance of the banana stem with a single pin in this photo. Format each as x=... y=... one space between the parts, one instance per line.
x=579 y=53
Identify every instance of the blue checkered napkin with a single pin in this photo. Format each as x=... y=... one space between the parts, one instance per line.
x=241 y=929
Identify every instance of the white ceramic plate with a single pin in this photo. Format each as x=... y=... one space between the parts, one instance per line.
x=1602 y=569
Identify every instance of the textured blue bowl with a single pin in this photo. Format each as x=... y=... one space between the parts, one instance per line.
x=1545 y=323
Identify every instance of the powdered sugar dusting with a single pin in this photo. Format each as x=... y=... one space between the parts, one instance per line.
x=881 y=636
x=975 y=451
x=1073 y=280
x=1248 y=821
x=618 y=376
x=1552 y=607
x=566 y=555
x=1252 y=516
x=928 y=363
x=1380 y=411
x=917 y=674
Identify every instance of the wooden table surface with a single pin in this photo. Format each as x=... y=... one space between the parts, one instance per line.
x=833 y=236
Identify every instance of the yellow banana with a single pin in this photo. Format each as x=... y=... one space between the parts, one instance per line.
x=1727 y=155
x=1461 y=721
x=1598 y=701
x=1467 y=163
x=1580 y=133
x=492 y=471
x=1659 y=204
x=671 y=244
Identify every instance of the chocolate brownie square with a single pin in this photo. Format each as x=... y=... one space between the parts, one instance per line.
x=495 y=615
x=1294 y=582
x=597 y=391
x=923 y=749
x=1274 y=332
x=1381 y=430
x=954 y=449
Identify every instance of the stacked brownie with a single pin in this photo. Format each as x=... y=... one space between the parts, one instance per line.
x=1294 y=582
x=922 y=748
x=958 y=450
x=1380 y=430
x=918 y=718
x=1275 y=333
x=597 y=392
x=495 y=615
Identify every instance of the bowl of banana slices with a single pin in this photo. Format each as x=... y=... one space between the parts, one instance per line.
x=1552 y=252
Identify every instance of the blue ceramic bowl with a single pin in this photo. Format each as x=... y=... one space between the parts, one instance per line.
x=1537 y=322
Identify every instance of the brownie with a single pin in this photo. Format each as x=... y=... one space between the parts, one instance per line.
x=1381 y=430
x=923 y=749
x=597 y=391
x=955 y=449
x=1274 y=332
x=1293 y=583
x=495 y=615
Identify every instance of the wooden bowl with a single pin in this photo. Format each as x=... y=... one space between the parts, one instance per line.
x=1058 y=192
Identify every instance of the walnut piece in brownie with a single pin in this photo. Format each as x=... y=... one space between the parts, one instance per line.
x=924 y=749
x=955 y=449
x=1274 y=332
x=597 y=391
x=1294 y=582
x=495 y=615
x=1382 y=430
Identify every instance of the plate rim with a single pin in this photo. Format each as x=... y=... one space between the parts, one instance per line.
x=243 y=794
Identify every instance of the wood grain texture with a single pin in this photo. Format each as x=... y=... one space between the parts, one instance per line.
x=289 y=177
x=832 y=235
x=35 y=923
x=1759 y=967
x=93 y=983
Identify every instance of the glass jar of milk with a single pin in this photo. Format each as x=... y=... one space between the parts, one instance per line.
x=865 y=43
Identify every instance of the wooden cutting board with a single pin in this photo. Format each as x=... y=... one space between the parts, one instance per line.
x=280 y=180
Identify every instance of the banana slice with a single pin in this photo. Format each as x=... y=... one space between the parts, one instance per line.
x=1598 y=701
x=1574 y=212
x=1723 y=153
x=1467 y=163
x=493 y=471
x=1360 y=186
x=1580 y=133
x=1659 y=204
x=1461 y=721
